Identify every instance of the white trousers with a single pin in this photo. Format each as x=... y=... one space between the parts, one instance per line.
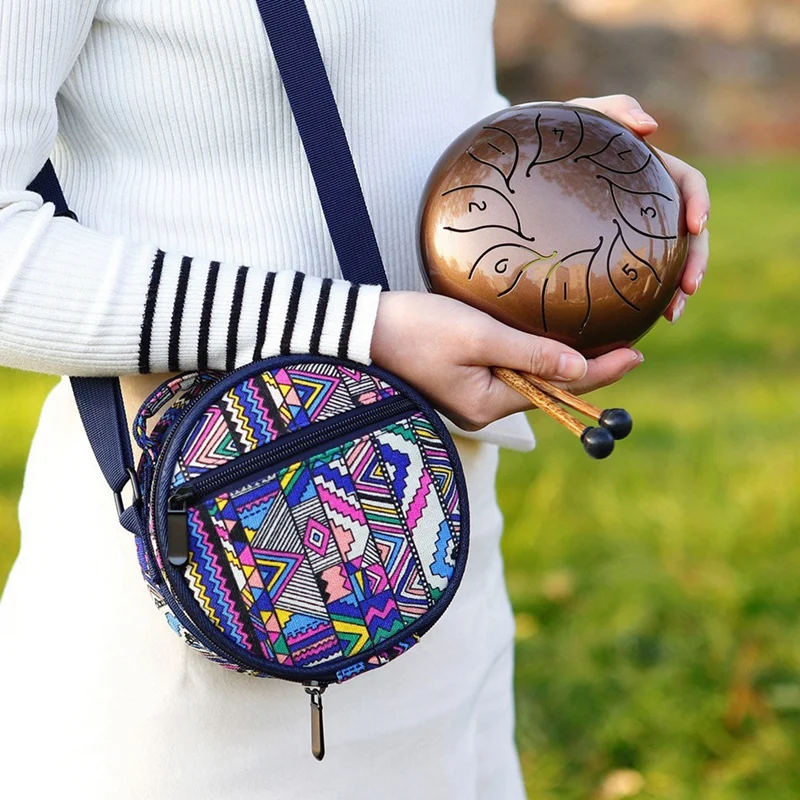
x=99 y=699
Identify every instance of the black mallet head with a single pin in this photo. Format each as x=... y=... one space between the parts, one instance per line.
x=617 y=421
x=598 y=442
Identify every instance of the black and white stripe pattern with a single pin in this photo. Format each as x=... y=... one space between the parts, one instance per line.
x=205 y=316
x=149 y=312
x=177 y=314
x=208 y=315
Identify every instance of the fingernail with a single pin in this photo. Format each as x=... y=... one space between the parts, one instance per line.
x=571 y=366
x=638 y=356
x=642 y=118
x=699 y=281
x=702 y=224
x=678 y=312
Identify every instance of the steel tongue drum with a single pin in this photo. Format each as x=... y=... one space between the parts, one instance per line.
x=558 y=221
x=562 y=223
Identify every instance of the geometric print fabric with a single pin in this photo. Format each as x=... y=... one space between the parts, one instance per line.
x=265 y=407
x=341 y=555
x=333 y=555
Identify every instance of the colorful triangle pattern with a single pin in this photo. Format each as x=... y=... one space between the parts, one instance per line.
x=333 y=556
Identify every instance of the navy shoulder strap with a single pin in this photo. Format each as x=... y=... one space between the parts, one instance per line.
x=302 y=70
x=309 y=91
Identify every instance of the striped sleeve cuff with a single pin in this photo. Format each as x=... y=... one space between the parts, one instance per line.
x=207 y=315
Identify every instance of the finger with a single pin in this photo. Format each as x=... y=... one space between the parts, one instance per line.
x=624 y=109
x=694 y=190
x=604 y=370
x=499 y=400
x=492 y=398
x=503 y=346
x=696 y=263
x=676 y=307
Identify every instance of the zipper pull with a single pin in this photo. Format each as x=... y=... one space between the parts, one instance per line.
x=314 y=691
x=177 y=527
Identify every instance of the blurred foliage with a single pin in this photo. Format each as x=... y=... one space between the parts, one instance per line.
x=658 y=614
x=656 y=593
x=720 y=76
x=21 y=397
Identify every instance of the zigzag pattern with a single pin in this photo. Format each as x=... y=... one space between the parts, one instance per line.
x=239 y=420
x=342 y=509
x=382 y=617
x=412 y=595
x=258 y=413
x=254 y=504
x=333 y=555
x=439 y=465
x=443 y=562
x=208 y=583
x=369 y=483
x=300 y=394
x=322 y=393
x=212 y=445
x=419 y=502
x=418 y=495
x=404 y=463
x=348 y=622
x=235 y=541
x=334 y=583
x=311 y=639
x=389 y=532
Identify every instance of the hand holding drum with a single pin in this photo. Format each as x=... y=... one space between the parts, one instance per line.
x=560 y=222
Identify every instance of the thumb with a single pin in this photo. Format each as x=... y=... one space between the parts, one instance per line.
x=623 y=108
x=546 y=358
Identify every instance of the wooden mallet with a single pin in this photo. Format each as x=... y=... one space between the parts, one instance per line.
x=598 y=442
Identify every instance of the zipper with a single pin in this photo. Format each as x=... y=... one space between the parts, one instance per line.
x=309 y=441
x=314 y=691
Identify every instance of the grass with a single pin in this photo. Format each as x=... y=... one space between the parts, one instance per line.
x=656 y=595
x=658 y=614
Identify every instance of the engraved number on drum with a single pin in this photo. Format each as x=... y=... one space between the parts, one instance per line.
x=501 y=266
x=632 y=273
x=648 y=211
x=480 y=206
x=560 y=133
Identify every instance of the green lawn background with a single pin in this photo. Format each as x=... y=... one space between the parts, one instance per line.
x=657 y=593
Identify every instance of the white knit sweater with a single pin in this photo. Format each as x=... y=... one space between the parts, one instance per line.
x=177 y=149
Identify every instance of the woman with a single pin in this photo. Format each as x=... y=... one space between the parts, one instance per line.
x=173 y=129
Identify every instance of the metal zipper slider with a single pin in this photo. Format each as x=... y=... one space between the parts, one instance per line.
x=314 y=691
x=178 y=528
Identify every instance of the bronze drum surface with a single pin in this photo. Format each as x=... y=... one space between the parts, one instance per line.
x=558 y=221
